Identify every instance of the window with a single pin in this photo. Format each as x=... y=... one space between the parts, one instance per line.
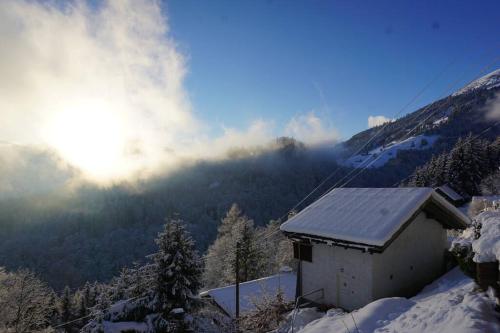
x=302 y=251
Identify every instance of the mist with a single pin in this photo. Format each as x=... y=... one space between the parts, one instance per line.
x=102 y=85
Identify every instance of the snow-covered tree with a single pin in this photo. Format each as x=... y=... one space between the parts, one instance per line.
x=466 y=165
x=236 y=228
x=491 y=184
x=176 y=269
x=25 y=302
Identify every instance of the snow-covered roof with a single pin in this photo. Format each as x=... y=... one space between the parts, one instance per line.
x=369 y=216
x=253 y=291
x=450 y=193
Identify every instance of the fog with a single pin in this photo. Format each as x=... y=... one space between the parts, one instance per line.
x=102 y=86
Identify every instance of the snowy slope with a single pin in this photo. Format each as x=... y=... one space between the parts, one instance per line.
x=489 y=81
x=379 y=156
x=448 y=305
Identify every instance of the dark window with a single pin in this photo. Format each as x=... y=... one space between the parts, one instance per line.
x=391 y=276
x=411 y=267
x=302 y=251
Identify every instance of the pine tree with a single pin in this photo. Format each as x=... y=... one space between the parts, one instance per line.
x=467 y=165
x=66 y=307
x=176 y=269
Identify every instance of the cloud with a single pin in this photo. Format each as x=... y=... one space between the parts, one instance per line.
x=492 y=108
x=103 y=86
x=378 y=120
x=95 y=83
x=311 y=129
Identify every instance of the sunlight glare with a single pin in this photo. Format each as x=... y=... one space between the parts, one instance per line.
x=89 y=135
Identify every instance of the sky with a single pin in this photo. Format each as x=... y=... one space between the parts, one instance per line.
x=122 y=87
x=344 y=60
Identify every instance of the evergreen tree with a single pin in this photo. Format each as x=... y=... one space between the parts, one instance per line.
x=66 y=307
x=467 y=165
x=176 y=269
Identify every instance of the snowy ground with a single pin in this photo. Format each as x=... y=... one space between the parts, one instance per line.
x=451 y=304
x=487 y=247
x=381 y=155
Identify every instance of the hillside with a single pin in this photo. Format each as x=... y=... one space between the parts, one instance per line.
x=469 y=110
x=93 y=232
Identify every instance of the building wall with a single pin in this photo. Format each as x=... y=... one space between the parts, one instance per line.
x=413 y=260
x=344 y=274
x=352 y=278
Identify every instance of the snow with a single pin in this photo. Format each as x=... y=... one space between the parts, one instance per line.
x=487 y=247
x=449 y=305
x=251 y=291
x=450 y=193
x=440 y=121
x=124 y=326
x=302 y=318
x=379 y=156
x=489 y=81
x=369 y=216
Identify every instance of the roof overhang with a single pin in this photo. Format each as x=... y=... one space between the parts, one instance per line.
x=435 y=207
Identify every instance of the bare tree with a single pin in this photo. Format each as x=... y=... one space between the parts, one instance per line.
x=25 y=302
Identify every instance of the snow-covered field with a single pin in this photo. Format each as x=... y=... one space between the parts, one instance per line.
x=450 y=304
x=379 y=156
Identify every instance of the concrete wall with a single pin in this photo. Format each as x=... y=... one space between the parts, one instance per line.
x=413 y=260
x=344 y=274
x=352 y=278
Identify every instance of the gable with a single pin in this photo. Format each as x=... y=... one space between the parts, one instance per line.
x=370 y=217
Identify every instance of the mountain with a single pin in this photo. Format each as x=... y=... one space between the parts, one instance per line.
x=86 y=233
x=430 y=130
x=489 y=81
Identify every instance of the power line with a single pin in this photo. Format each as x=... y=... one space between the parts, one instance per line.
x=359 y=171
x=473 y=138
x=356 y=171
x=412 y=100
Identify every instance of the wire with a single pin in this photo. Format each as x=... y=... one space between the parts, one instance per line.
x=414 y=98
x=473 y=138
x=359 y=171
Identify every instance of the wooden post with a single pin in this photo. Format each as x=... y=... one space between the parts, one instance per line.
x=237 y=278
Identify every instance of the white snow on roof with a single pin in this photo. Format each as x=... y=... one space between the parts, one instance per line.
x=369 y=216
x=253 y=291
x=450 y=192
x=489 y=81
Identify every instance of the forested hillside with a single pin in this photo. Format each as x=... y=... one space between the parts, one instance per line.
x=88 y=233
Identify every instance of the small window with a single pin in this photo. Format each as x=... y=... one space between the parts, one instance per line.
x=391 y=277
x=302 y=251
x=411 y=267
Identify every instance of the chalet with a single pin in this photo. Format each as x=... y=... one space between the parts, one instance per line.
x=356 y=245
x=451 y=195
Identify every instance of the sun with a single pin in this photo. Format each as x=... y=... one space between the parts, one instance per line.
x=89 y=135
